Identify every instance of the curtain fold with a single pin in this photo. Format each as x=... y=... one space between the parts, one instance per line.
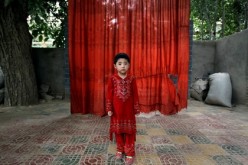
x=155 y=33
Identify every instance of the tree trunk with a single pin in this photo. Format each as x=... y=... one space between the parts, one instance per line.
x=15 y=55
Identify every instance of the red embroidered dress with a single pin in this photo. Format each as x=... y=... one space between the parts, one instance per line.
x=122 y=100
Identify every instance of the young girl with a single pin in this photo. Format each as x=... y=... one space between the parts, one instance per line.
x=122 y=105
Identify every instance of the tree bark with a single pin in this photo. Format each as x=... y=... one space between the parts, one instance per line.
x=15 y=55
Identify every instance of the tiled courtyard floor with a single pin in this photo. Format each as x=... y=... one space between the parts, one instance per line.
x=47 y=134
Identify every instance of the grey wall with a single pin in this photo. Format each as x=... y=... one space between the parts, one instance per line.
x=232 y=57
x=49 y=67
x=203 y=55
x=229 y=54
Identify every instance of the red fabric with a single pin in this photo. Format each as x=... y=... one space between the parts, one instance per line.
x=122 y=101
x=125 y=143
x=155 y=33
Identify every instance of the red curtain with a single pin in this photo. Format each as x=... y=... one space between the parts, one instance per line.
x=155 y=33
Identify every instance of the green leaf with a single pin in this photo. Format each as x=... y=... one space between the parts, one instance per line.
x=7 y=2
x=40 y=38
x=35 y=33
x=46 y=39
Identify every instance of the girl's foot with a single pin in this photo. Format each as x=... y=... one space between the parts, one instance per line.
x=129 y=160
x=118 y=155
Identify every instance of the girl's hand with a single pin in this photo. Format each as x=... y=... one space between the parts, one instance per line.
x=110 y=113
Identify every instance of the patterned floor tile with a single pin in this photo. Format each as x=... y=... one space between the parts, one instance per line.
x=28 y=148
x=40 y=160
x=93 y=160
x=234 y=149
x=142 y=132
x=96 y=149
x=147 y=159
x=8 y=148
x=174 y=132
x=199 y=139
x=226 y=160
x=181 y=131
x=4 y=138
x=41 y=139
x=216 y=125
x=243 y=131
x=67 y=160
x=46 y=130
x=239 y=139
x=141 y=120
x=220 y=139
x=156 y=131
x=241 y=158
x=144 y=148
x=170 y=159
x=152 y=125
x=112 y=148
x=73 y=149
x=100 y=131
x=143 y=139
x=161 y=140
x=201 y=135
x=21 y=139
x=59 y=139
x=99 y=139
x=112 y=161
x=192 y=149
x=199 y=160
x=214 y=132
x=79 y=139
x=181 y=140
x=140 y=125
x=51 y=149
x=80 y=131
x=11 y=161
x=177 y=125
x=166 y=149
x=211 y=149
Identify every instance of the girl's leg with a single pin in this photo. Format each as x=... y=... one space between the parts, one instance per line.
x=119 y=142
x=129 y=147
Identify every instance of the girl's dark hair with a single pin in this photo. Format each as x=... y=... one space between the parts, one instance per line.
x=121 y=55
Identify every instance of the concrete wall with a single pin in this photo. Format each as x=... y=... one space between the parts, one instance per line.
x=203 y=55
x=50 y=68
x=229 y=54
x=232 y=57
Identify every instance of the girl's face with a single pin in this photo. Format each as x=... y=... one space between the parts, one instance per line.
x=122 y=66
